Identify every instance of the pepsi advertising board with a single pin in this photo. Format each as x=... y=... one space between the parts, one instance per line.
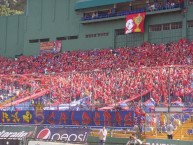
x=63 y=134
x=55 y=117
x=48 y=143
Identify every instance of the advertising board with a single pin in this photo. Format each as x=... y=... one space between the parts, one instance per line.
x=63 y=134
x=168 y=142
x=49 y=143
x=9 y=142
x=16 y=132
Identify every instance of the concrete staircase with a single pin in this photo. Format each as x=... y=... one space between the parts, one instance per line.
x=183 y=132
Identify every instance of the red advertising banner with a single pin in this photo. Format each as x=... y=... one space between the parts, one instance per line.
x=52 y=46
x=135 y=23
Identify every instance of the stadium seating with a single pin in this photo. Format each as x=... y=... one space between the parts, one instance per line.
x=150 y=7
x=108 y=76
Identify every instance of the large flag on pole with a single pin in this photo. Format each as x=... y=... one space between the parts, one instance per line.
x=135 y=23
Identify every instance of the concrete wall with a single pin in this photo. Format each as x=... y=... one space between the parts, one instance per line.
x=11 y=35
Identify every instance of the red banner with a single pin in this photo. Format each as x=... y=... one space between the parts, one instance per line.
x=52 y=46
x=135 y=23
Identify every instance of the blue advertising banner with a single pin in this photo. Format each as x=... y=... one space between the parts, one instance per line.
x=63 y=134
x=88 y=118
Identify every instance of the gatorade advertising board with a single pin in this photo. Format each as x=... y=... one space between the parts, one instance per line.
x=63 y=134
x=9 y=142
x=49 y=143
x=16 y=132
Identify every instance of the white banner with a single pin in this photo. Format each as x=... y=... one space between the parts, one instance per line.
x=49 y=143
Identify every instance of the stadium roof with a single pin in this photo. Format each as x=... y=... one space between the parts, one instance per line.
x=82 y=4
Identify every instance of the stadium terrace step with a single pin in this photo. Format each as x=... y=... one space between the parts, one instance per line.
x=181 y=133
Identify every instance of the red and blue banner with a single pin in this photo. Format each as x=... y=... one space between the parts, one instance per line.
x=88 y=118
x=135 y=23
x=51 y=46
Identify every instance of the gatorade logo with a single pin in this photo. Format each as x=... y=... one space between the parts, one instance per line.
x=44 y=134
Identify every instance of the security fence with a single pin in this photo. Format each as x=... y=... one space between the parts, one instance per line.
x=156 y=125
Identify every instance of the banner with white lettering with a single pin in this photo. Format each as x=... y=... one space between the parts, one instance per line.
x=63 y=134
x=16 y=132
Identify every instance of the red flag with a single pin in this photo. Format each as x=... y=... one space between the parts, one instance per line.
x=135 y=23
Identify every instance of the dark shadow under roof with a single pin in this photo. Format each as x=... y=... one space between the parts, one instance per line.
x=83 y=4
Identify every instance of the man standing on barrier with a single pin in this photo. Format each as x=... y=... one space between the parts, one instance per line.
x=170 y=129
x=102 y=136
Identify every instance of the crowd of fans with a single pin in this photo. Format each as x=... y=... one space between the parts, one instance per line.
x=106 y=76
x=148 y=6
x=166 y=4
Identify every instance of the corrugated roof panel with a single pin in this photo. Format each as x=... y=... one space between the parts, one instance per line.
x=83 y=4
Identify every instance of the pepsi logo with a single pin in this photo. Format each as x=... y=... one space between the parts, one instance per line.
x=44 y=134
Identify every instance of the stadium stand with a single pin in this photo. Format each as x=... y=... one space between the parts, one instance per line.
x=102 y=76
x=148 y=7
x=77 y=66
